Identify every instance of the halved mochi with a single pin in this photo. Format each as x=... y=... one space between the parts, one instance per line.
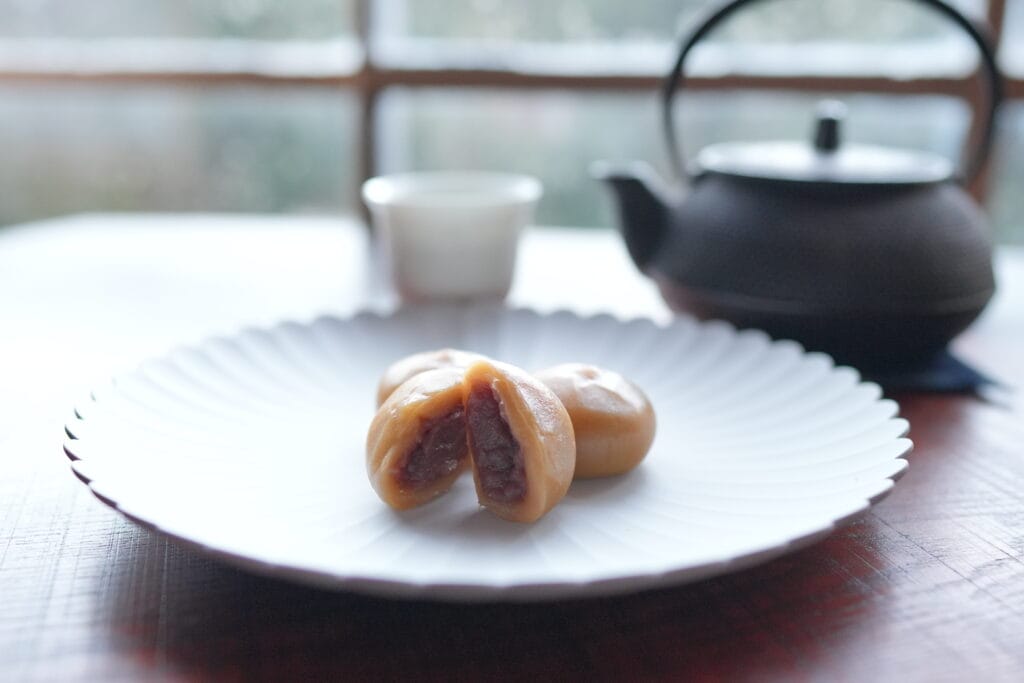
x=520 y=441
x=416 y=447
x=612 y=418
x=410 y=366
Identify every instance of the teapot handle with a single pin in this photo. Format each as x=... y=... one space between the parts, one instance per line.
x=994 y=81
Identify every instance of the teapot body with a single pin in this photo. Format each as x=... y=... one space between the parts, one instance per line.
x=870 y=274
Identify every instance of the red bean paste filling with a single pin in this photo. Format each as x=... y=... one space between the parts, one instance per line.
x=496 y=454
x=439 y=452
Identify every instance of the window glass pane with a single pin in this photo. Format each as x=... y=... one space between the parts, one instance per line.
x=1006 y=201
x=259 y=19
x=797 y=36
x=78 y=148
x=556 y=135
x=1012 y=50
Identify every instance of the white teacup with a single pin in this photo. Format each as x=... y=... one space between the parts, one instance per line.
x=452 y=235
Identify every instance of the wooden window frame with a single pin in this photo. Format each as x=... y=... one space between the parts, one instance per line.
x=368 y=79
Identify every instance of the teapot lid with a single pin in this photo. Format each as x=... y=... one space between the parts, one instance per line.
x=826 y=161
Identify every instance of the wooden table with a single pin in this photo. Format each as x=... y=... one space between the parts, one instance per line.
x=928 y=586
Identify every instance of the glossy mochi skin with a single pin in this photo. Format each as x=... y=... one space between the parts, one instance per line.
x=612 y=418
x=416 y=444
x=520 y=440
x=410 y=366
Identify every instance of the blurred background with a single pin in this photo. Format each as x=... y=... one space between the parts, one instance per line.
x=269 y=106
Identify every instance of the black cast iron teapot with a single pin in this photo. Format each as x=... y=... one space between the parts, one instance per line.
x=875 y=255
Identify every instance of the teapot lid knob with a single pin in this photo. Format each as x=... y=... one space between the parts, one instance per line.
x=829 y=119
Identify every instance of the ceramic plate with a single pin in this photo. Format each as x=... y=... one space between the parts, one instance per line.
x=250 y=448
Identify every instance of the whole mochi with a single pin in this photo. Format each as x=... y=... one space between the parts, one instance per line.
x=612 y=418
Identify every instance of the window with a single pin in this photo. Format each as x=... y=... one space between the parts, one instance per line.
x=256 y=105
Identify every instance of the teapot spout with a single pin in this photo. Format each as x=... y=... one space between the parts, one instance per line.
x=644 y=206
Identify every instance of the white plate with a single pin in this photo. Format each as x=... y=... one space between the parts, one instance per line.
x=250 y=448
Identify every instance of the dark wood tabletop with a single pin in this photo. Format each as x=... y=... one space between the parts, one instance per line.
x=926 y=586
